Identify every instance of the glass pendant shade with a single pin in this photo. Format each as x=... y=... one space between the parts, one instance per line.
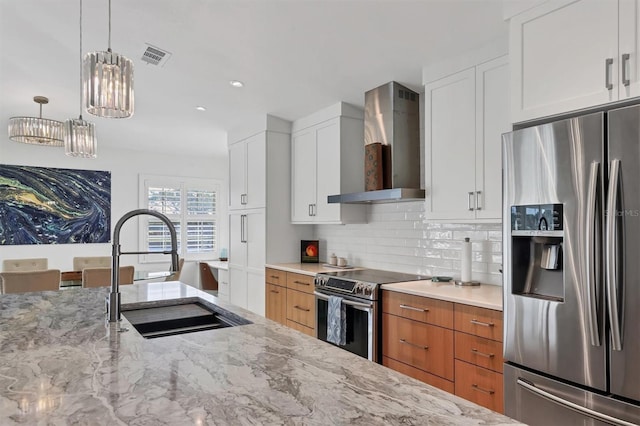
x=37 y=130
x=80 y=138
x=108 y=85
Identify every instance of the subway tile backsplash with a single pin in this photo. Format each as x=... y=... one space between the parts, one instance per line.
x=397 y=237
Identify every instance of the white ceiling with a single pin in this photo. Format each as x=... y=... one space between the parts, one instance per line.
x=294 y=56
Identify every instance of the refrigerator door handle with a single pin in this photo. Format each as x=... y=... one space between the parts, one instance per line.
x=570 y=405
x=612 y=258
x=590 y=246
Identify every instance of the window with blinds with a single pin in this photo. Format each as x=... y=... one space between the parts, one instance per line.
x=191 y=207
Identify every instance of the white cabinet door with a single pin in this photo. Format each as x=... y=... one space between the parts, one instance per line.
x=450 y=146
x=629 y=38
x=255 y=236
x=256 y=171
x=303 y=175
x=328 y=139
x=237 y=175
x=564 y=56
x=256 y=292
x=492 y=119
x=238 y=287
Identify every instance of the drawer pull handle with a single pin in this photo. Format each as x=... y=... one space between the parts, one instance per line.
x=414 y=345
x=484 y=324
x=276 y=277
x=475 y=351
x=479 y=389
x=302 y=309
x=413 y=309
x=274 y=291
x=301 y=282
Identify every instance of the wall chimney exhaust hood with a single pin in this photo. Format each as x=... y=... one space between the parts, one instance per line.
x=391 y=117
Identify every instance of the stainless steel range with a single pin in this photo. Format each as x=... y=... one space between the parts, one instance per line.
x=360 y=292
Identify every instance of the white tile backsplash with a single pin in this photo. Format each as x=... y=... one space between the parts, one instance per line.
x=397 y=237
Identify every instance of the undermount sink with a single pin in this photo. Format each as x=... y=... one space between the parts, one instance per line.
x=159 y=321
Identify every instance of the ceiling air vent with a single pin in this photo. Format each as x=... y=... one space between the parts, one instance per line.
x=155 y=56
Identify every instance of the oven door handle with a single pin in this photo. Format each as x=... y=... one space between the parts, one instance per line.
x=357 y=305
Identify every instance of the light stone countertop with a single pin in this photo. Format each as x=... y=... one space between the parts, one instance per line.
x=308 y=268
x=218 y=264
x=61 y=363
x=484 y=295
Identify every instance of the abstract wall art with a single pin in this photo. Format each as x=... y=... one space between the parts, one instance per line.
x=41 y=205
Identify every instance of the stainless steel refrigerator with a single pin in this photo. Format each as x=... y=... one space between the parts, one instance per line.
x=571 y=236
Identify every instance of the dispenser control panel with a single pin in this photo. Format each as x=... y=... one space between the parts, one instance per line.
x=536 y=217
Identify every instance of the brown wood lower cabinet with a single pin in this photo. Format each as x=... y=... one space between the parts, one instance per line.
x=477 y=384
x=418 y=374
x=301 y=308
x=276 y=303
x=306 y=330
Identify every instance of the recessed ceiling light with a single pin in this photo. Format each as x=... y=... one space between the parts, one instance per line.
x=236 y=83
x=201 y=108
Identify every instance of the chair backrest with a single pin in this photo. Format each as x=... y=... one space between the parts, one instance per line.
x=80 y=263
x=26 y=281
x=22 y=265
x=101 y=277
x=176 y=275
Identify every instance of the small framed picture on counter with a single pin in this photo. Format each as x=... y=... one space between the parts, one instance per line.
x=309 y=251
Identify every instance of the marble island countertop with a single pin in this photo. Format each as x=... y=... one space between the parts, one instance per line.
x=61 y=363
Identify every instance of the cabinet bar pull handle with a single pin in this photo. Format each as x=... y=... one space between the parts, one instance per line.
x=275 y=276
x=478 y=388
x=314 y=210
x=301 y=282
x=413 y=309
x=625 y=76
x=484 y=324
x=478 y=194
x=469 y=200
x=274 y=291
x=607 y=73
x=310 y=212
x=476 y=352
x=414 y=345
x=302 y=309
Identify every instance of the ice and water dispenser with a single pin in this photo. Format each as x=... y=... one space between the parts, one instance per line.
x=536 y=243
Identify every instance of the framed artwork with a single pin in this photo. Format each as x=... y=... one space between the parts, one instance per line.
x=309 y=251
x=40 y=205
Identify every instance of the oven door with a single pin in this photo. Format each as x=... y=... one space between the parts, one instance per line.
x=362 y=327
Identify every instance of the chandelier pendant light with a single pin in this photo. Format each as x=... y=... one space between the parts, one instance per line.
x=80 y=135
x=108 y=83
x=37 y=130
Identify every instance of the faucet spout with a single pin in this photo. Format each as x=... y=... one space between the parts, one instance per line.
x=113 y=301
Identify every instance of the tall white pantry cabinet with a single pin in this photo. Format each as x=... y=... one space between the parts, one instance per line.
x=260 y=229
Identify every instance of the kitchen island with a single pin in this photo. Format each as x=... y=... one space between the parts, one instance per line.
x=61 y=363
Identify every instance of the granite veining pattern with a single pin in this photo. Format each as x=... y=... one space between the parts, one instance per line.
x=61 y=363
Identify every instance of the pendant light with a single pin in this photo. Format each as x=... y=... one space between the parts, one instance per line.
x=37 y=130
x=108 y=83
x=80 y=135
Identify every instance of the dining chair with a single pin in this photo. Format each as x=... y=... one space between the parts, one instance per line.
x=26 y=281
x=101 y=277
x=22 y=265
x=175 y=276
x=82 y=262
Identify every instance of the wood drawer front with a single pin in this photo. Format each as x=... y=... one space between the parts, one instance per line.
x=300 y=282
x=478 y=321
x=276 y=303
x=301 y=328
x=275 y=276
x=479 y=385
x=417 y=374
x=420 y=345
x=301 y=307
x=432 y=311
x=479 y=351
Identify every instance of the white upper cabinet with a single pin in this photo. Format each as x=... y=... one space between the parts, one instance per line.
x=327 y=152
x=465 y=116
x=247 y=173
x=569 y=55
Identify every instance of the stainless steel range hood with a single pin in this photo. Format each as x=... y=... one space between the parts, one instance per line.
x=391 y=117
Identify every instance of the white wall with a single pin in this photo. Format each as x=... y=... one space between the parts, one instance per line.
x=125 y=167
x=398 y=238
